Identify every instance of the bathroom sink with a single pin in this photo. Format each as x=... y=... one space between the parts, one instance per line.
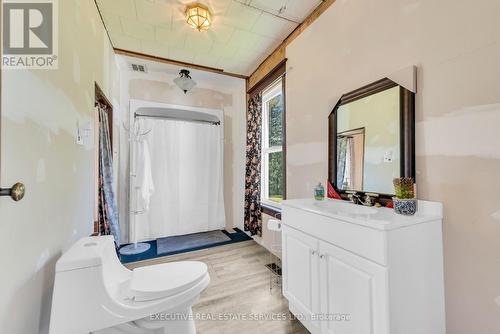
x=344 y=208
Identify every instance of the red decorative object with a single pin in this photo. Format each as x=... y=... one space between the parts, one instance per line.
x=390 y=205
x=331 y=191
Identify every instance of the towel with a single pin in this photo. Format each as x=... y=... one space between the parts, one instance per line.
x=144 y=176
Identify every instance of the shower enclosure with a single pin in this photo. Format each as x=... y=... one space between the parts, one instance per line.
x=186 y=157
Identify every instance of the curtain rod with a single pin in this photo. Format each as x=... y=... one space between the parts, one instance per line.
x=136 y=115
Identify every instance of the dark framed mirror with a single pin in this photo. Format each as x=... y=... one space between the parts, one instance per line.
x=371 y=139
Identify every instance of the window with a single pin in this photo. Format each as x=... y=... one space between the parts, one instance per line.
x=272 y=176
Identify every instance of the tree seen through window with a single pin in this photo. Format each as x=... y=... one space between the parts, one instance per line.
x=275 y=126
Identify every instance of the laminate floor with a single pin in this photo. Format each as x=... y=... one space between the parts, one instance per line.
x=238 y=299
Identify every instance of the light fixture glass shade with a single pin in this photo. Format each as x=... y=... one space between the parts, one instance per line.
x=184 y=82
x=198 y=17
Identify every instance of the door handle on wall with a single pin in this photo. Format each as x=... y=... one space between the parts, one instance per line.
x=16 y=192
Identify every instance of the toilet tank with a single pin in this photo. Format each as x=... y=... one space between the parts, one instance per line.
x=87 y=280
x=93 y=252
x=85 y=253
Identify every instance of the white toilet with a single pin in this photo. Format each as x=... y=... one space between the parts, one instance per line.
x=95 y=293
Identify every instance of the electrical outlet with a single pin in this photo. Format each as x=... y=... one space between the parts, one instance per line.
x=388 y=156
x=83 y=131
x=79 y=137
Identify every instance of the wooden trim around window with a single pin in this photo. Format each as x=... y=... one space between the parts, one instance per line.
x=272 y=76
x=275 y=74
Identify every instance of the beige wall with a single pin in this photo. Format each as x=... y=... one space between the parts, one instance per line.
x=456 y=46
x=40 y=110
x=213 y=91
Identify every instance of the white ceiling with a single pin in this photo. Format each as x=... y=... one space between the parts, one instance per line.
x=242 y=35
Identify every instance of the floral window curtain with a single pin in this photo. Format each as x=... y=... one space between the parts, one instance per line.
x=253 y=215
x=108 y=214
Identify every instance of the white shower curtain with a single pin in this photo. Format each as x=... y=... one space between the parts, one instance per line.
x=187 y=171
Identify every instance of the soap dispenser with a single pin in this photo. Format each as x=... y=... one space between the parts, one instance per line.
x=319 y=192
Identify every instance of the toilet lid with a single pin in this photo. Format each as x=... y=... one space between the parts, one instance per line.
x=164 y=280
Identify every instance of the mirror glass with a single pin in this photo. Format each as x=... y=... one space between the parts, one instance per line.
x=368 y=142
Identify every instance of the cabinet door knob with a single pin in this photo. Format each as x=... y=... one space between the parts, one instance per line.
x=321 y=256
x=313 y=252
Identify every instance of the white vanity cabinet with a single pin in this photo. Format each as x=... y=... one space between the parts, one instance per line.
x=355 y=270
x=300 y=284
x=352 y=287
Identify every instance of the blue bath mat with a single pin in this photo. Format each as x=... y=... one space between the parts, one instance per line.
x=189 y=241
x=235 y=236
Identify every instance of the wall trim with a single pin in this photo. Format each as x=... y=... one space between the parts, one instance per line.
x=144 y=56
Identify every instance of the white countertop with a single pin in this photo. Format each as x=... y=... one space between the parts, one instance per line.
x=376 y=218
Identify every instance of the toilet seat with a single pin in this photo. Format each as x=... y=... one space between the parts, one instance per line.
x=165 y=280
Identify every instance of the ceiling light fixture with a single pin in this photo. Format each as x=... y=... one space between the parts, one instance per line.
x=184 y=82
x=198 y=17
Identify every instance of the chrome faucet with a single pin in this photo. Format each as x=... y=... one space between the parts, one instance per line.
x=356 y=198
x=370 y=199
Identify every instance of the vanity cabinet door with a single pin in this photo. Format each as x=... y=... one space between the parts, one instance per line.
x=300 y=271
x=354 y=293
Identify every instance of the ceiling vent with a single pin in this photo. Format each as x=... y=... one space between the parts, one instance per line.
x=139 y=68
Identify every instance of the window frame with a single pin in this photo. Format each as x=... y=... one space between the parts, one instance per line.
x=274 y=89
